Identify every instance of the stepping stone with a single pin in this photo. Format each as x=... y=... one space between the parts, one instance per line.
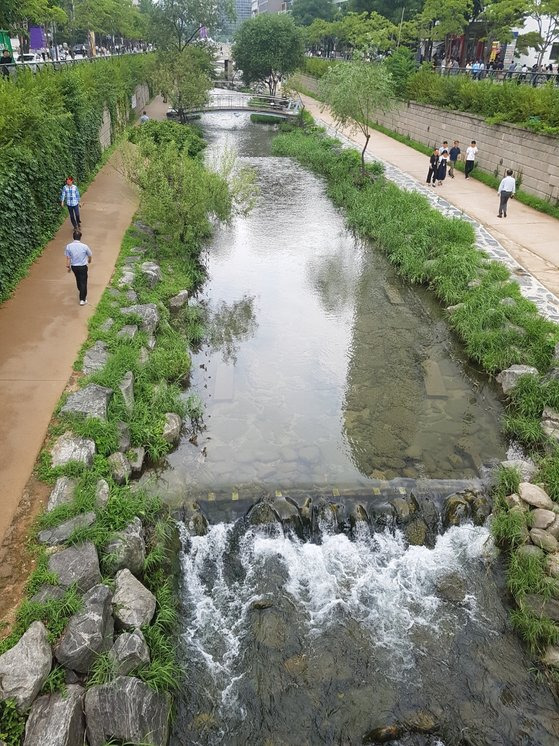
x=434 y=383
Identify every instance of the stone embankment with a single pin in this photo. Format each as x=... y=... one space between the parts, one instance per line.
x=89 y=673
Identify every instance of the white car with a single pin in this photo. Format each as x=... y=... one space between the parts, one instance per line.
x=31 y=60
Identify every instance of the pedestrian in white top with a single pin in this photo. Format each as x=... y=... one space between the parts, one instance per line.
x=144 y=118
x=78 y=256
x=471 y=152
x=507 y=188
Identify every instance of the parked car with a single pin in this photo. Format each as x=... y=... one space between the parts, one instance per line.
x=31 y=60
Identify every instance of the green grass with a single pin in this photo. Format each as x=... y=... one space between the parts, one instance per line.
x=12 y=723
x=265 y=119
x=537 y=633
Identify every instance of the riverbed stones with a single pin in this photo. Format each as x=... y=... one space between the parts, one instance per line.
x=455 y=511
x=262 y=514
x=120 y=467
x=136 y=458
x=133 y=603
x=102 y=493
x=535 y=496
x=514 y=502
x=509 y=378
x=416 y=532
x=127 y=549
x=152 y=273
x=88 y=633
x=550 y=423
x=69 y=447
x=178 y=301
x=451 y=587
x=61 y=533
x=148 y=314
x=62 y=493
x=25 y=667
x=128 y=331
x=541 y=518
x=126 y=387
x=552 y=565
x=95 y=358
x=541 y=606
x=128 y=711
x=129 y=651
x=544 y=540
x=57 y=719
x=195 y=520
x=172 y=428
x=77 y=564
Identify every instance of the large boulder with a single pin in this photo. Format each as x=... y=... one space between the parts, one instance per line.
x=152 y=273
x=25 y=667
x=128 y=711
x=172 y=428
x=69 y=447
x=541 y=518
x=61 y=533
x=535 y=496
x=91 y=401
x=128 y=549
x=129 y=651
x=120 y=467
x=88 y=633
x=62 y=493
x=77 y=564
x=148 y=314
x=544 y=540
x=96 y=356
x=133 y=603
x=126 y=387
x=509 y=378
x=57 y=719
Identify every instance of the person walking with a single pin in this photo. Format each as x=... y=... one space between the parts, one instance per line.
x=433 y=164
x=144 y=118
x=78 y=257
x=71 y=195
x=441 y=168
x=507 y=189
x=6 y=60
x=454 y=154
x=471 y=152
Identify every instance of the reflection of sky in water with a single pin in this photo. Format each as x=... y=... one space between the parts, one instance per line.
x=319 y=358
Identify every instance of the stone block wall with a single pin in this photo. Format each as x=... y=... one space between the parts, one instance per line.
x=105 y=137
x=138 y=102
x=501 y=146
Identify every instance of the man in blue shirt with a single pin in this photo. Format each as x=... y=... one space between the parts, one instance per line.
x=78 y=256
x=71 y=195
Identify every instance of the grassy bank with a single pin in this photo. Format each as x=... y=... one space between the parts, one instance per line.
x=51 y=130
x=536 y=203
x=496 y=324
x=160 y=373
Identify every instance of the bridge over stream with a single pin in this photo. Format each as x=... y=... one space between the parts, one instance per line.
x=228 y=100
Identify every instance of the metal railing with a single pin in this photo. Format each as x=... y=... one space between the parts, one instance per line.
x=527 y=77
x=228 y=101
x=36 y=66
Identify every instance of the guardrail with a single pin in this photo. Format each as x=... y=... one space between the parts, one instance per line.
x=218 y=101
x=528 y=77
x=36 y=66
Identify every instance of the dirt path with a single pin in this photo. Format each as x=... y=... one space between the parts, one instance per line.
x=42 y=327
x=531 y=237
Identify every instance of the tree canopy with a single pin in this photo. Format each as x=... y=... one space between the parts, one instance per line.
x=176 y=23
x=304 y=12
x=267 y=48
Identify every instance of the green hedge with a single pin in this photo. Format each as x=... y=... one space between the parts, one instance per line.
x=536 y=109
x=317 y=67
x=49 y=126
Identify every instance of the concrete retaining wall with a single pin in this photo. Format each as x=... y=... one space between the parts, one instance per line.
x=138 y=102
x=501 y=146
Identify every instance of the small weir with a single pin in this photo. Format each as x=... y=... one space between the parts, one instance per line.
x=338 y=585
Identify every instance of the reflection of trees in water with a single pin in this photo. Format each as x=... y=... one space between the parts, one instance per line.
x=334 y=277
x=230 y=324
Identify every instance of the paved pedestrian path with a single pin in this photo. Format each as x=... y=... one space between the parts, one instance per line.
x=42 y=327
x=530 y=237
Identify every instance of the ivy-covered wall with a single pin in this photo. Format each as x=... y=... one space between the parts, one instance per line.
x=49 y=129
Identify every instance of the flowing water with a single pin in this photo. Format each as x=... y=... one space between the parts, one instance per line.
x=321 y=372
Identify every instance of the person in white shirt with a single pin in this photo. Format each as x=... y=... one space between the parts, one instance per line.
x=144 y=118
x=471 y=152
x=78 y=256
x=507 y=188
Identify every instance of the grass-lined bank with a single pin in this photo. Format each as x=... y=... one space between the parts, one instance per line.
x=160 y=365
x=486 y=309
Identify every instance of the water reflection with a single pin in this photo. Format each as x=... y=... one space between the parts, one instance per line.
x=321 y=368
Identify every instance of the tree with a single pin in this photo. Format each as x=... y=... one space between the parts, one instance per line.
x=174 y=24
x=370 y=34
x=304 y=12
x=267 y=48
x=499 y=17
x=391 y=9
x=546 y=15
x=184 y=79
x=442 y=19
x=354 y=91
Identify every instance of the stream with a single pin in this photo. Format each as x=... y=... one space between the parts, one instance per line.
x=323 y=374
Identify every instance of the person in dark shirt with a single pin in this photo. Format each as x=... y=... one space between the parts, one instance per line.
x=433 y=164
x=454 y=155
x=5 y=61
x=441 y=168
